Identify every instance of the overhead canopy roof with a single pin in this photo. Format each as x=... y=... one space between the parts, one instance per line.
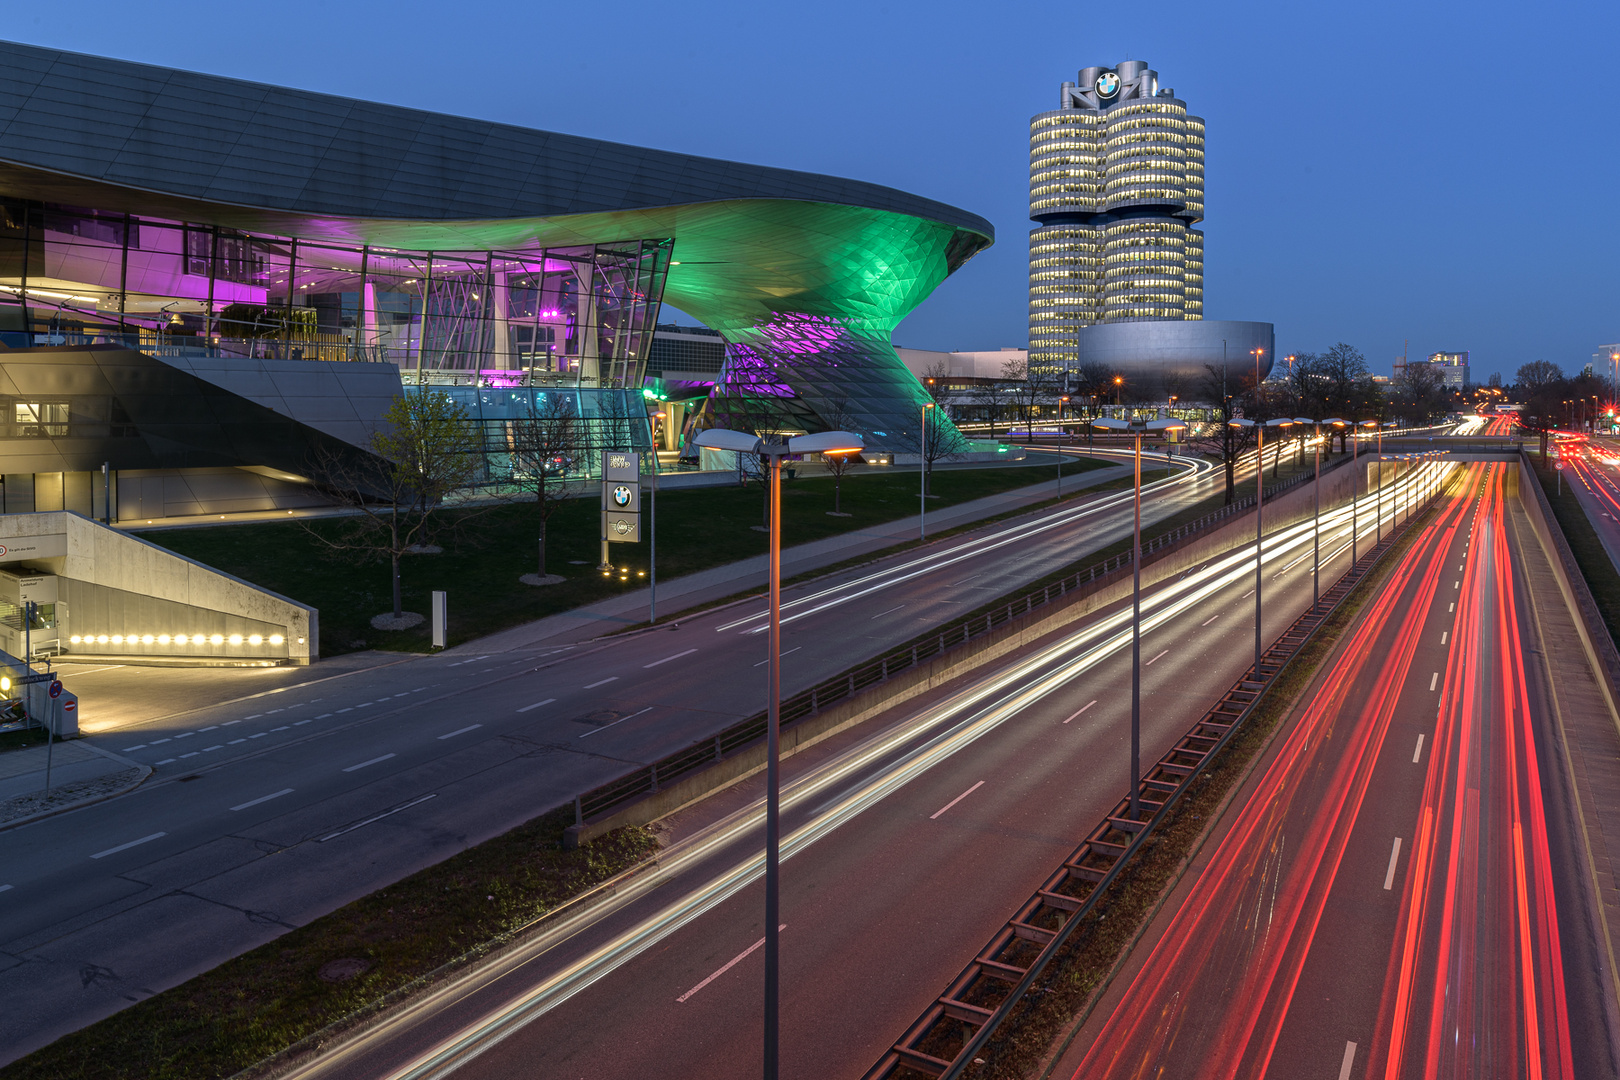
x=228 y=142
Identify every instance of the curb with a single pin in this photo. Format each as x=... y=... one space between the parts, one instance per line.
x=145 y=771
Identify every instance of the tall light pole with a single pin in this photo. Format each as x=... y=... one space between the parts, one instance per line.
x=771 y=455
x=1316 y=538
x=1355 y=533
x=1136 y=602
x=922 y=468
x=1259 y=514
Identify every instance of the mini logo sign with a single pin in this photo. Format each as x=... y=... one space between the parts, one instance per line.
x=622 y=495
x=621 y=527
x=1107 y=84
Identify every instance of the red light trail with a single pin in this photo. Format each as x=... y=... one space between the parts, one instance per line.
x=1473 y=984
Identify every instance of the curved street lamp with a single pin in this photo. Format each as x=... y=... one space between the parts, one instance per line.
x=1164 y=426
x=771 y=455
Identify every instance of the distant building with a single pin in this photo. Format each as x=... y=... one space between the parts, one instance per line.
x=1453 y=368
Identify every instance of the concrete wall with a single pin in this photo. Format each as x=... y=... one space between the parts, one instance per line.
x=99 y=556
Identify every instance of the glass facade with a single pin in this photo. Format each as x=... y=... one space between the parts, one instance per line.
x=580 y=316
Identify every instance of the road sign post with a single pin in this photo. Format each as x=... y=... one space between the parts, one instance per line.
x=621 y=501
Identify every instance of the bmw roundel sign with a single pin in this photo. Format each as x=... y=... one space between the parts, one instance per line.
x=1107 y=84
x=622 y=495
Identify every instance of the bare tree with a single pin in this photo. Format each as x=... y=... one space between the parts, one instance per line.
x=1029 y=389
x=426 y=450
x=838 y=418
x=545 y=444
x=1223 y=441
x=938 y=442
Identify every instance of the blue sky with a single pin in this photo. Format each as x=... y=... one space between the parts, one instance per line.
x=1437 y=172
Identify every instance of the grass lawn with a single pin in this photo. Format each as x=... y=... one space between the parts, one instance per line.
x=697 y=529
x=262 y=1002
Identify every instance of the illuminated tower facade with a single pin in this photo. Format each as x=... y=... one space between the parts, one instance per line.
x=1116 y=182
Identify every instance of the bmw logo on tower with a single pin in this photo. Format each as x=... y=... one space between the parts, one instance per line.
x=1107 y=84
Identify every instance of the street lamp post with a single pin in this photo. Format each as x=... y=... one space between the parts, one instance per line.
x=1259 y=512
x=1136 y=602
x=824 y=442
x=922 y=468
x=1355 y=534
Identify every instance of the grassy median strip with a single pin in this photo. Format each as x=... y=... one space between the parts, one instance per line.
x=1590 y=554
x=341 y=965
x=698 y=529
x=1053 y=1005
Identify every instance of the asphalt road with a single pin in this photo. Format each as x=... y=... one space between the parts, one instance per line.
x=1404 y=891
x=905 y=850
x=265 y=813
x=1591 y=467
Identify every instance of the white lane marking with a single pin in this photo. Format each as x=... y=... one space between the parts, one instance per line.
x=132 y=749
x=216 y=746
x=373 y=761
x=667 y=659
x=733 y=962
x=1394 y=860
x=255 y=716
x=1453 y=607
x=301 y=723
x=1434 y=680
x=186 y=735
x=1419 y=751
x=537 y=704
x=7 y=888
x=349 y=709
x=1082 y=709
x=461 y=731
x=165 y=761
x=1459 y=568
x=603 y=682
x=620 y=720
x=233 y=742
x=784 y=652
x=263 y=799
x=1456 y=584
x=379 y=817
x=956 y=800
x=365 y=704
x=194 y=753
x=211 y=727
x=1444 y=634
x=126 y=847
x=1349 y=1060
x=1160 y=656
x=258 y=734
x=158 y=742
x=283 y=727
x=1209 y=620
x=323 y=716
x=891 y=611
x=228 y=723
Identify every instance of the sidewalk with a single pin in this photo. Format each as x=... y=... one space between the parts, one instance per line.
x=706 y=586
x=80 y=774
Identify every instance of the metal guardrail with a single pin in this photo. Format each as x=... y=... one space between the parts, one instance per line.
x=984 y=994
x=648 y=779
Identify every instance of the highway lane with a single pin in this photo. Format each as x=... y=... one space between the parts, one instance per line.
x=453 y=749
x=905 y=851
x=1397 y=896
x=1592 y=470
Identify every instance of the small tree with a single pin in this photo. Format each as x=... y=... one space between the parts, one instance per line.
x=1224 y=442
x=425 y=451
x=545 y=443
x=838 y=418
x=937 y=444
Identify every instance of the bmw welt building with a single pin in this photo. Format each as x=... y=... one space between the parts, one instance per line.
x=206 y=282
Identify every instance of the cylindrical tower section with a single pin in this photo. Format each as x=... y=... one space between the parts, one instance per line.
x=1144 y=268
x=1065 y=292
x=1194 y=210
x=1193 y=276
x=1065 y=164
x=1144 y=149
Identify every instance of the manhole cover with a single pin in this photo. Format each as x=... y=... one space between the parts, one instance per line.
x=600 y=718
x=342 y=970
